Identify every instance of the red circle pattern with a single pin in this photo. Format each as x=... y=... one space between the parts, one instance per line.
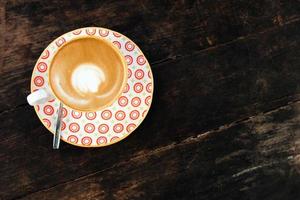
x=74 y=127
x=89 y=128
x=120 y=115
x=48 y=110
x=128 y=59
x=46 y=54
x=129 y=73
x=149 y=87
x=106 y=114
x=47 y=122
x=138 y=87
x=101 y=140
x=136 y=101
x=149 y=74
x=64 y=112
x=90 y=31
x=103 y=128
x=118 y=128
x=76 y=114
x=73 y=139
x=126 y=88
x=114 y=139
x=141 y=60
x=76 y=32
x=87 y=141
x=63 y=126
x=103 y=32
x=134 y=114
x=91 y=115
x=118 y=44
x=42 y=67
x=129 y=46
x=147 y=100
x=60 y=41
x=130 y=127
x=117 y=34
x=38 y=81
x=123 y=101
x=139 y=74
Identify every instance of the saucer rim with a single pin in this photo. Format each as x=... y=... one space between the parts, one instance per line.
x=137 y=125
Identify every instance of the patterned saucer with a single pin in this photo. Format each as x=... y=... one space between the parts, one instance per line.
x=113 y=123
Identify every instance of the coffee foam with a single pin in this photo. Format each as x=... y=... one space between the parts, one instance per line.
x=87 y=78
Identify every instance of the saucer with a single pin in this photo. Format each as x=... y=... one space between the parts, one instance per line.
x=113 y=123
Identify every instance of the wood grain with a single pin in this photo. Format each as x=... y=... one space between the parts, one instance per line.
x=256 y=158
x=229 y=83
x=187 y=28
x=224 y=121
x=2 y=32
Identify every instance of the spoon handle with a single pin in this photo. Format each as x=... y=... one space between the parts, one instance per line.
x=56 y=138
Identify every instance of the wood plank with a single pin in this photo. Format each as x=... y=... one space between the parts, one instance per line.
x=224 y=84
x=2 y=32
x=188 y=27
x=254 y=159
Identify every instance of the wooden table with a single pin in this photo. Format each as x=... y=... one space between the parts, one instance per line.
x=225 y=119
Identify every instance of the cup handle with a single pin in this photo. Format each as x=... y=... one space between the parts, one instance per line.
x=39 y=97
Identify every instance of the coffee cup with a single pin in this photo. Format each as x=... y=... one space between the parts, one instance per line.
x=86 y=74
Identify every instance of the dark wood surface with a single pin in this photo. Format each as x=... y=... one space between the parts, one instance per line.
x=225 y=119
